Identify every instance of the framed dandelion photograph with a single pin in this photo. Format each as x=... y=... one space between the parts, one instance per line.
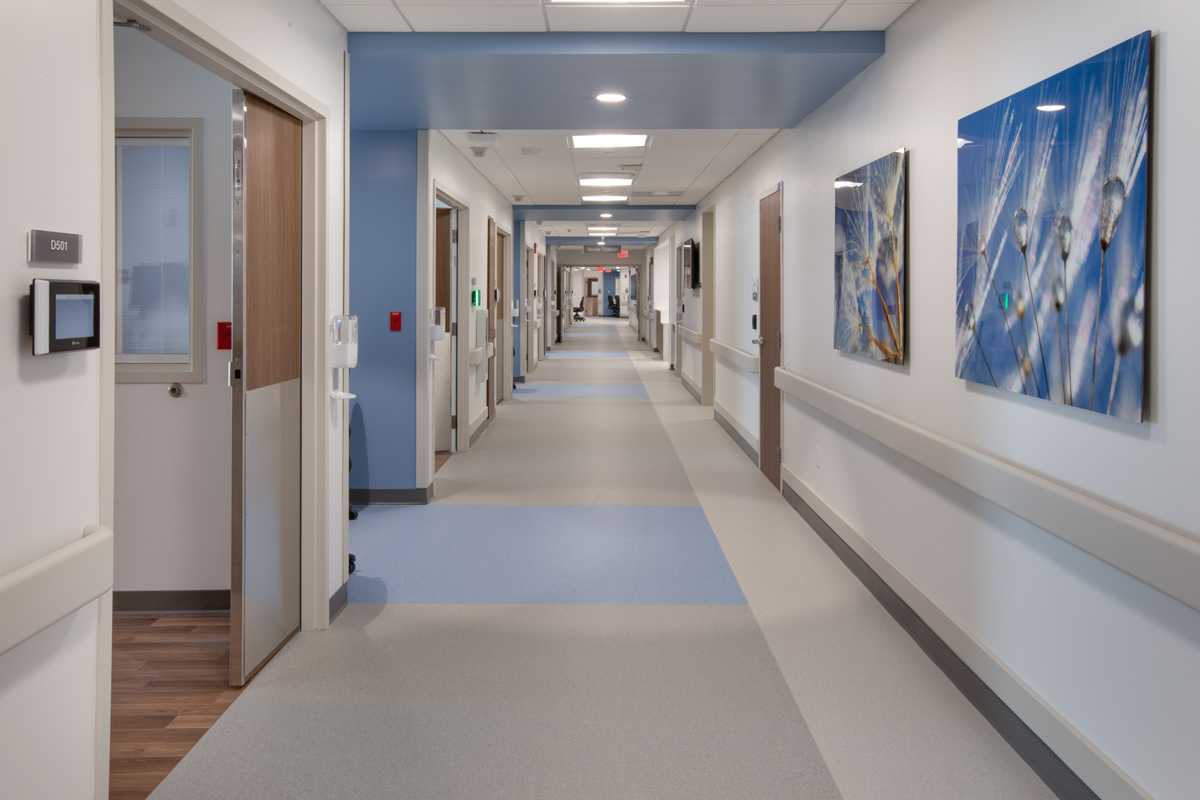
x=1052 y=210
x=869 y=260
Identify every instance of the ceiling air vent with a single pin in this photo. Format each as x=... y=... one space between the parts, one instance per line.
x=518 y=198
x=657 y=194
x=530 y=151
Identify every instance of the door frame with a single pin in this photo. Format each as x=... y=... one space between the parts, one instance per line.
x=183 y=33
x=504 y=320
x=708 y=303
x=460 y=295
x=178 y=30
x=493 y=312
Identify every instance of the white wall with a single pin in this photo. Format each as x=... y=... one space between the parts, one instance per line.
x=735 y=258
x=302 y=41
x=172 y=475
x=49 y=481
x=1115 y=658
x=454 y=173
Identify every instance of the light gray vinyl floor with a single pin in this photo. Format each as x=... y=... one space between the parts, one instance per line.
x=793 y=684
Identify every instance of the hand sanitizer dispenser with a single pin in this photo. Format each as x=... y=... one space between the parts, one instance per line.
x=437 y=329
x=342 y=351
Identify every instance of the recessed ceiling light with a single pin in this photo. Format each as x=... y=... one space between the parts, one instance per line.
x=606 y=215
x=605 y=198
x=606 y=181
x=1051 y=107
x=611 y=97
x=623 y=2
x=602 y=228
x=609 y=140
x=846 y=185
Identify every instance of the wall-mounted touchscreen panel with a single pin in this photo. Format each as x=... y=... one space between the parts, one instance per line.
x=65 y=315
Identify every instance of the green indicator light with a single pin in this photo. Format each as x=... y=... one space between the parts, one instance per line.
x=476 y=297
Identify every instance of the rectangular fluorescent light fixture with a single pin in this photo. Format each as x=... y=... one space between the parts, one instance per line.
x=606 y=181
x=599 y=230
x=623 y=2
x=609 y=140
x=605 y=198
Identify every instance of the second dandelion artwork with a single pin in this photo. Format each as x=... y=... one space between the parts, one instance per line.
x=1052 y=206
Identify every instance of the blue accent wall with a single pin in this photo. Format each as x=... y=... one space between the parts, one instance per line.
x=383 y=278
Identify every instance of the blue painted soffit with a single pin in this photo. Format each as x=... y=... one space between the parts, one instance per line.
x=548 y=81
x=624 y=241
x=592 y=212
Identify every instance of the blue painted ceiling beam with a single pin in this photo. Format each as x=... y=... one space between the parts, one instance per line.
x=548 y=81
x=591 y=213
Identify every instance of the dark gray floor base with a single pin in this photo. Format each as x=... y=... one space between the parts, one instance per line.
x=390 y=497
x=519 y=379
x=191 y=601
x=339 y=601
x=747 y=448
x=475 y=436
x=691 y=388
x=1028 y=745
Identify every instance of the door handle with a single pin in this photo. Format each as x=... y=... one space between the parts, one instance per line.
x=759 y=341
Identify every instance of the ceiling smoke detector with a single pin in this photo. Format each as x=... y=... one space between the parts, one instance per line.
x=518 y=198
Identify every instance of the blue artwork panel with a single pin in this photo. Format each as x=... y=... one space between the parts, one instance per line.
x=869 y=260
x=1052 y=236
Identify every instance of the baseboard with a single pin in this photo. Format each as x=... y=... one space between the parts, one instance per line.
x=966 y=661
x=185 y=601
x=339 y=601
x=391 y=497
x=736 y=431
x=691 y=386
x=475 y=434
x=518 y=379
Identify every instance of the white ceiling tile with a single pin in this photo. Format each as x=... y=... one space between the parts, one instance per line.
x=465 y=2
x=740 y=18
x=489 y=18
x=674 y=138
x=865 y=16
x=356 y=2
x=615 y=18
x=370 y=18
x=751 y=139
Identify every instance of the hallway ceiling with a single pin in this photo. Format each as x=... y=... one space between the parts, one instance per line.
x=676 y=167
x=688 y=16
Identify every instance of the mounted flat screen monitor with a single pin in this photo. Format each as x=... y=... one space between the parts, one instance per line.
x=691 y=264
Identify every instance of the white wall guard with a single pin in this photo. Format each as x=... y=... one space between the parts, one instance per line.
x=734 y=355
x=689 y=335
x=1155 y=552
x=39 y=594
x=476 y=355
x=1075 y=749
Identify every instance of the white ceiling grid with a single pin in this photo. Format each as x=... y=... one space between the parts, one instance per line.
x=694 y=16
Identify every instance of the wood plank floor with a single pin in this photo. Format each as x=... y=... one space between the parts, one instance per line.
x=170 y=684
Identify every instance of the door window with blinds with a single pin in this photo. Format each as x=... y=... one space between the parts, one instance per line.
x=160 y=288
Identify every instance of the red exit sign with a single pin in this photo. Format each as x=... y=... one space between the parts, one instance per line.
x=623 y=254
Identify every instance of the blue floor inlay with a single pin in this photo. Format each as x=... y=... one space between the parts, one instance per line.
x=624 y=555
x=569 y=334
x=588 y=354
x=580 y=391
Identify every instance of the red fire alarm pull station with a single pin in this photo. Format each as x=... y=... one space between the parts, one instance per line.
x=224 y=335
x=395 y=321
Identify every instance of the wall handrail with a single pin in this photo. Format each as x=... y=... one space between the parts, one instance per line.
x=689 y=335
x=1155 y=552
x=45 y=591
x=734 y=355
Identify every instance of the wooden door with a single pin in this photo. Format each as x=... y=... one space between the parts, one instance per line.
x=265 y=379
x=770 y=225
